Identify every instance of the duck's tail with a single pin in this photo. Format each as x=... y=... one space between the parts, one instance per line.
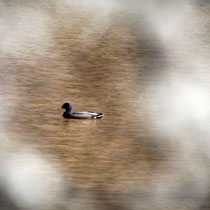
x=99 y=115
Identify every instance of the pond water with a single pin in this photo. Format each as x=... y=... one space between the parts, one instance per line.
x=136 y=66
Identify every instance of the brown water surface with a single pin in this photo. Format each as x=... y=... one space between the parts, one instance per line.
x=52 y=54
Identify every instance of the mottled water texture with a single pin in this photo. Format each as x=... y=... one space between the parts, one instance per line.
x=135 y=62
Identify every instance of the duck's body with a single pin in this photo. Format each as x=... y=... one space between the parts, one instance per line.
x=79 y=115
x=83 y=115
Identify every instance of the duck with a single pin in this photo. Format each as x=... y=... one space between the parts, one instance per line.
x=80 y=114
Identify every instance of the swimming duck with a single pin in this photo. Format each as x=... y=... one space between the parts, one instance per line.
x=80 y=114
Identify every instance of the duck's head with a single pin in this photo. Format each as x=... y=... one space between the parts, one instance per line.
x=67 y=107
